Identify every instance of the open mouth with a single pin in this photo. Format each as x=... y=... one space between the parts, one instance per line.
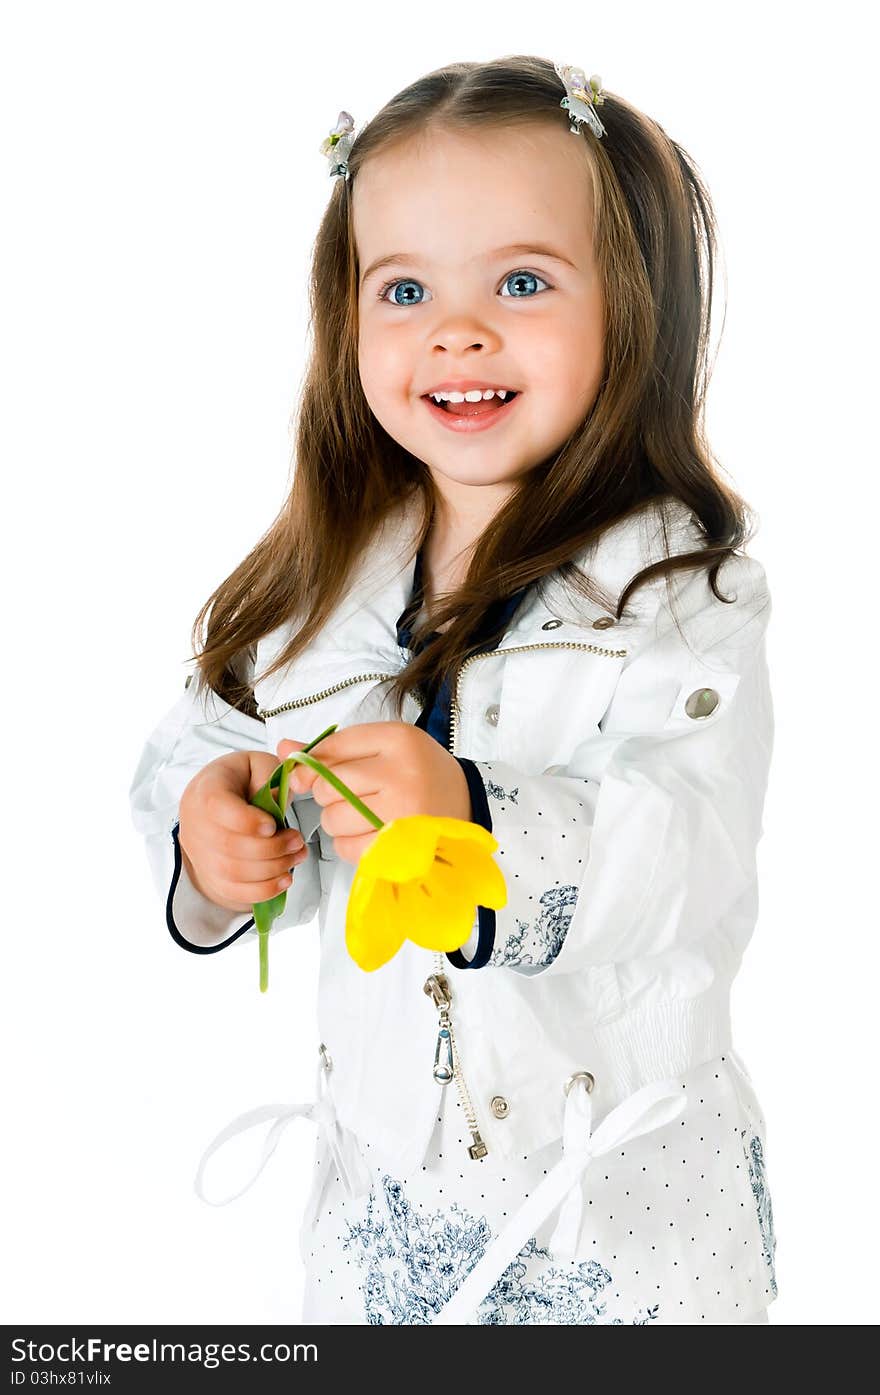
x=473 y=409
x=471 y=416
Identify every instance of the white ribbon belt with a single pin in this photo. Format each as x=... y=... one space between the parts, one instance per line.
x=322 y=1111
x=646 y=1109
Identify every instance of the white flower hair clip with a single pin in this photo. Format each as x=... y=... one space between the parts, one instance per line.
x=337 y=145
x=581 y=98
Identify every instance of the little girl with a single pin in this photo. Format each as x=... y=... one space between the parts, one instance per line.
x=510 y=576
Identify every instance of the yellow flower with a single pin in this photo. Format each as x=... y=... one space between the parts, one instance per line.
x=421 y=879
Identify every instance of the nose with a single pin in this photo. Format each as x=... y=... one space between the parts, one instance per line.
x=464 y=334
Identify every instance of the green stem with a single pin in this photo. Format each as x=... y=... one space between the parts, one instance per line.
x=273 y=798
x=264 y=961
x=313 y=763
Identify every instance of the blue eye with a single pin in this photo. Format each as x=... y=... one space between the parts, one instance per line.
x=520 y=277
x=524 y=276
x=389 y=284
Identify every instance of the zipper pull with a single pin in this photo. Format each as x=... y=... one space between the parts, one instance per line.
x=478 y=1148
x=446 y=1064
x=444 y=1069
x=437 y=987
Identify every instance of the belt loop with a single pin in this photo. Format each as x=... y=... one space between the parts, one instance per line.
x=576 y=1130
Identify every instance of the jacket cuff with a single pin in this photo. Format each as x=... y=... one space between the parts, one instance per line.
x=542 y=824
x=476 y=952
x=195 y=922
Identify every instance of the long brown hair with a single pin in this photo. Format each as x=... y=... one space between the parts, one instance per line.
x=643 y=438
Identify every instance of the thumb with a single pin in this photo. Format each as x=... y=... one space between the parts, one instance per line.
x=296 y=784
x=285 y=747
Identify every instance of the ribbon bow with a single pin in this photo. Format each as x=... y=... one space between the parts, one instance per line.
x=647 y=1109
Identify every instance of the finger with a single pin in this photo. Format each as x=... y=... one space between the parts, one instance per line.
x=301 y=776
x=256 y=881
x=291 y=743
x=248 y=872
x=363 y=777
x=362 y=739
x=212 y=841
x=229 y=811
x=352 y=849
x=342 y=820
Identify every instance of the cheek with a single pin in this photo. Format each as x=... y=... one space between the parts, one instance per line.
x=385 y=366
x=576 y=372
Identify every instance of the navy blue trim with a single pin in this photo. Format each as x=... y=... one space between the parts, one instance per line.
x=479 y=802
x=169 y=918
x=486 y=916
x=434 y=718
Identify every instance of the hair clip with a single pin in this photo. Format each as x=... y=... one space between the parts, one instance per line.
x=337 y=145
x=581 y=99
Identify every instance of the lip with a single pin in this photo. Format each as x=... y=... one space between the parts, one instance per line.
x=475 y=423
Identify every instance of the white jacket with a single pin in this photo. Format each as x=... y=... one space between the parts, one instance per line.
x=625 y=766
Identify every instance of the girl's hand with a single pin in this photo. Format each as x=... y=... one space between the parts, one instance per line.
x=226 y=855
x=396 y=769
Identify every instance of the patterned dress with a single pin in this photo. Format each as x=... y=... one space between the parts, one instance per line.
x=677 y=1226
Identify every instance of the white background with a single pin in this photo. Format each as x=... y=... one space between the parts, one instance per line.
x=163 y=184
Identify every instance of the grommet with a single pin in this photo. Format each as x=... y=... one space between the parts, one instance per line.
x=604 y=622
x=492 y=714
x=581 y=1075
x=326 y=1059
x=499 y=1106
x=551 y=624
x=702 y=702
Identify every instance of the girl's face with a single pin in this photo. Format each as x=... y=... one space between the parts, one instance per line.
x=462 y=305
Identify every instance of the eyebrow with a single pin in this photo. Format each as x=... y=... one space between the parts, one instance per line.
x=535 y=248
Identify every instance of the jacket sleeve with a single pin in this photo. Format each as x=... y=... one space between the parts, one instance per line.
x=195 y=731
x=647 y=840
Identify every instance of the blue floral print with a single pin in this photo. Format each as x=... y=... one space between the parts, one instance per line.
x=497 y=792
x=545 y=936
x=414 y=1262
x=754 y=1153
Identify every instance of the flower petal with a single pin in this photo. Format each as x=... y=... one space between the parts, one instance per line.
x=373 y=931
x=402 y=849
x=421 y=879
x=463 y=830
x=434 y=918
x=472 y=870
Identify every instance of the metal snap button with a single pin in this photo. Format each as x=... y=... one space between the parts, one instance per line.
x=492 y=714
x=604 y=622
x=584 y=1075
x=500 y=1107
x=702 y=702
x=551 y=624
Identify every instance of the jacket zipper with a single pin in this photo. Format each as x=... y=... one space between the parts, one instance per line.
x=447 y=1063
x=265 y=712
x=519 y=649
x=446 y=1054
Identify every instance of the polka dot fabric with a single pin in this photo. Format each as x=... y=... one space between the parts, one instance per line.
x=677 y=1226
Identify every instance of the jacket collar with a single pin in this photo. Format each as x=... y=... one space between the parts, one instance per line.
x=383 y=582
x=361 y=633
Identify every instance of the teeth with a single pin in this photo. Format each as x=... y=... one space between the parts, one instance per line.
x=474 y=395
